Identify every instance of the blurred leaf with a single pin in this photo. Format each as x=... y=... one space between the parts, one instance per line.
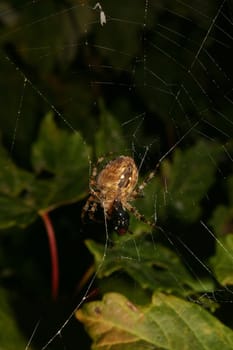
x=183 y=183
x=167 y=323
x=177 y=190
x=58 y=151
x=222 y=217
x=222 y=261
x=54 y=38
x=122 y=38
x=222 y=220
x=13 y=180
x=15 y=212
x=119 y=283
x=150 y=264
x=109 y=137
x=10 y=335
x=222 y=224
x=190 y=176
x=230 y=189
x=64 y=156
x=60 y=159
x=15 y=183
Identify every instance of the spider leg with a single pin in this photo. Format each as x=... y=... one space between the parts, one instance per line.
x=94 y=172
x=138 y=192
x=90 y=203
x=95 y=168
x=138 y=215
x=148 y=178
x=91 y=212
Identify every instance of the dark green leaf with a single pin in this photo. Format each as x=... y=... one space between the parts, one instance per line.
x=16 y=208
x=182 y=185
x=15 y=212
x=10 y=336
x=178 y=188
x=222 y=261
x=191 y=175
x=65 y=157
x=230 y=189
x=151 y=265
x=60 y=159
x=109 y=137
x=222 y=225
x=13 y=180
x=58 y=151
x=222 y=220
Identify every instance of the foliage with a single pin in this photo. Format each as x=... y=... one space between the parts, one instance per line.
x=167 y=323
x=57 y=118
x=24 y=194
x=11 y=335
x=58 y=177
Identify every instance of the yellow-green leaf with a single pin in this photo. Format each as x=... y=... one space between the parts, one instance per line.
x=168 y=323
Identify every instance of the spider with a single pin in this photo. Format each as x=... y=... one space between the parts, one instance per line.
x=113 y=188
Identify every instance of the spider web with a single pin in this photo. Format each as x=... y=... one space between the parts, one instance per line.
x=162 y=69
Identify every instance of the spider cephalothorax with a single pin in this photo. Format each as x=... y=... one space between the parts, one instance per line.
x=113 y=188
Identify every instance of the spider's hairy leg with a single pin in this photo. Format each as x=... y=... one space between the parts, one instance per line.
x=138 y=215
x=92 y=181
x=90 y=203
x=92 y=211
x=147 y=180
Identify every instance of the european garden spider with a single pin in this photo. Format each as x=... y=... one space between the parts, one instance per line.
x=113 y=188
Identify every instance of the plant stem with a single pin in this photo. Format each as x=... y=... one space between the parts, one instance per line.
x=53 y=253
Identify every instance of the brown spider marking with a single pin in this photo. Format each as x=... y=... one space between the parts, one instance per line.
x=113 y=188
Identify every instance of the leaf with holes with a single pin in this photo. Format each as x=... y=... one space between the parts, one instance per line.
x=167 y=323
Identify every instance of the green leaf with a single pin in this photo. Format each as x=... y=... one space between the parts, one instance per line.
x=10 y=336
x=222 y=261
x=191 y=175
x=167 y=323
x=221 y=220
x=58 y=151
x=63 y=159
x=230 y=189
x=15 y=183
x=13 y=180
x=178 y=188
x=64 y=156
x=109 y=137
x=15 y=212
x=55 y=34
x=151 y=265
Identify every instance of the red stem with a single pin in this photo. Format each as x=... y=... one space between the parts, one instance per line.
x=53 y=254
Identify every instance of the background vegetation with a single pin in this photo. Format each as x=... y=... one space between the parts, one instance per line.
x=72 y=90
